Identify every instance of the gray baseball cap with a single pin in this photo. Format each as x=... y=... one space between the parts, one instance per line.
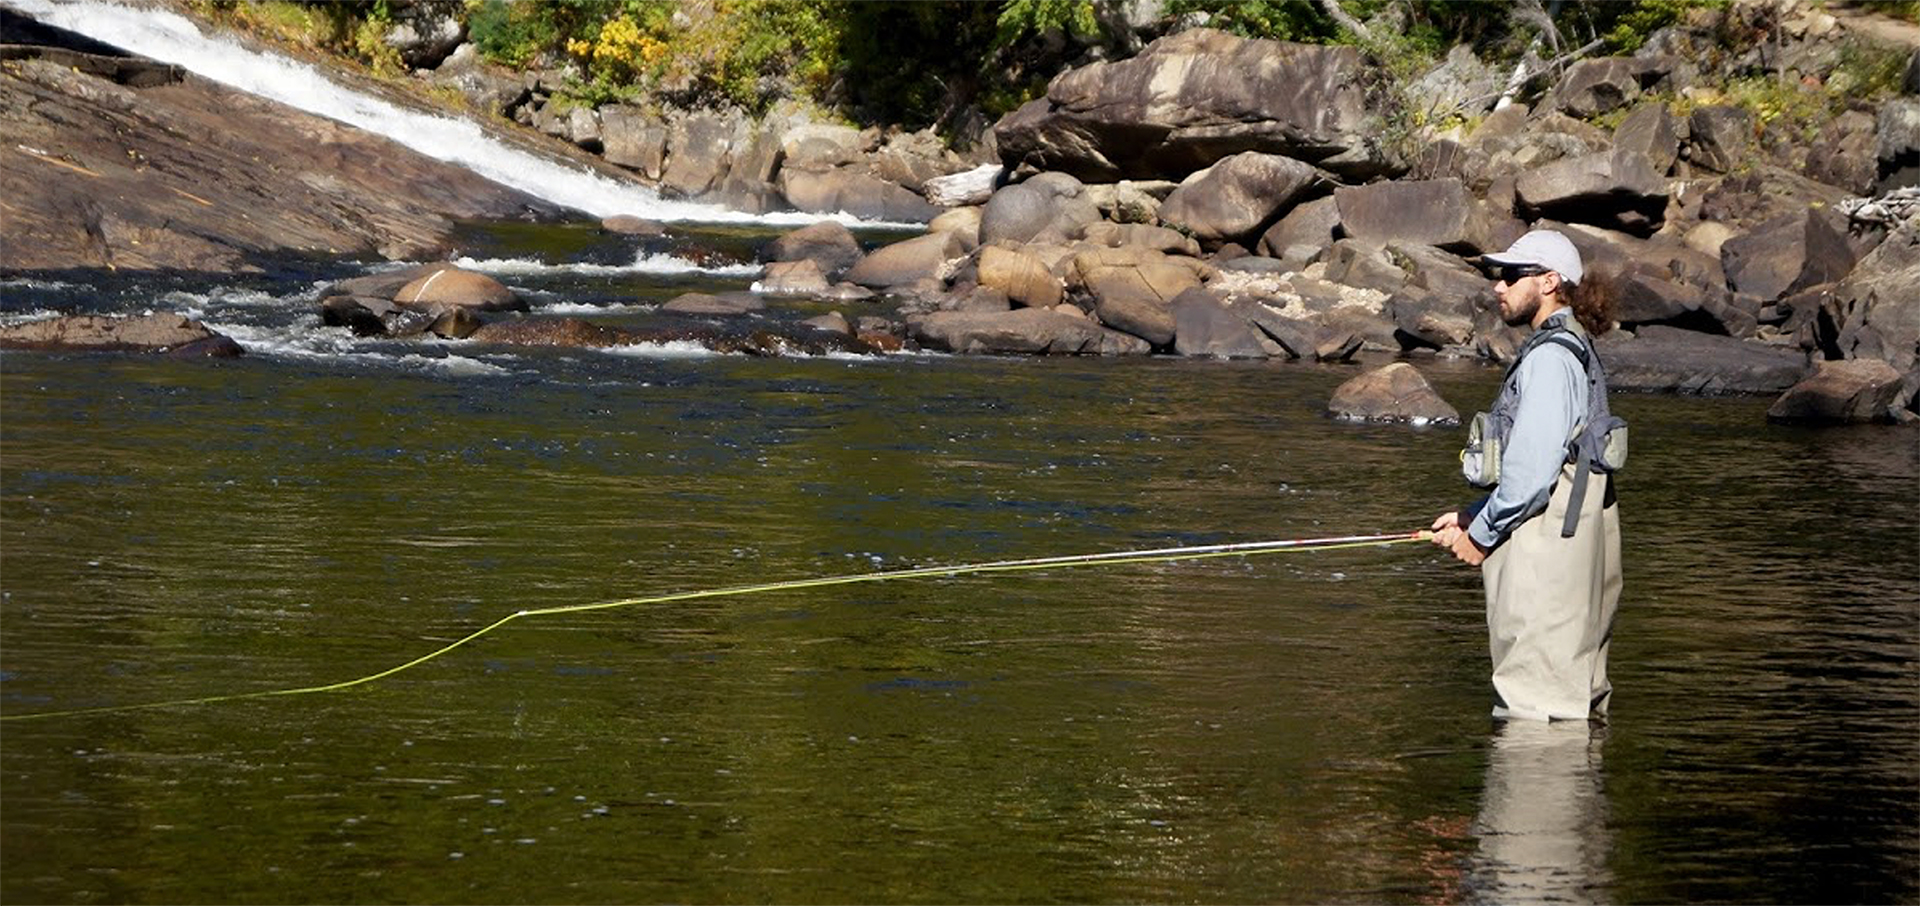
x=1543 y=248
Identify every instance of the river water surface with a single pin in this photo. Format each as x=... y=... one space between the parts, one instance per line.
x=1290 y=728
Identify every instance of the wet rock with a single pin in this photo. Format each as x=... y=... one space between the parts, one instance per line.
x=832 y=322
x=907 y=262
x=102 y=175
x=1851 y=391
x=452 y=286
x=168 y=334
x=1027 y=330
x=791 y=278
x=827 y=244
x=1206 y=328
x=846 y=292
x=629 y=225
x=1233 y=199
x=1669 y=359
x=571 y=332
x=1397 y=392
x=732 y=305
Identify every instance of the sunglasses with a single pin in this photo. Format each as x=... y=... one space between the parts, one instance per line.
x=1514 y=273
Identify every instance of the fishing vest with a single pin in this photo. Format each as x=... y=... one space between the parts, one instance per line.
x=1599 y=441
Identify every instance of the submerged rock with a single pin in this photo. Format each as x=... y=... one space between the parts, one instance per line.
x=1398 y=392
x=169 y=334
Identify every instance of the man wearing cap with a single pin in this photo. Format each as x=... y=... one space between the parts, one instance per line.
x=1552 y=580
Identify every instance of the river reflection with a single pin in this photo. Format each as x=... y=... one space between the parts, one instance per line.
x=1542 y=830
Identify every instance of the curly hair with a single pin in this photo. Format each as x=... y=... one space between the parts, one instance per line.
x=1592 y=302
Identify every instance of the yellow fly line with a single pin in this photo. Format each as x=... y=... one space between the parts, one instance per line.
x=1116 y=558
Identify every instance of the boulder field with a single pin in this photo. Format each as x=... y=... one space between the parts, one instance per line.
x=1210 y=196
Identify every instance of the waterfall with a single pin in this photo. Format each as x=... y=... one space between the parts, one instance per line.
x=171 y=38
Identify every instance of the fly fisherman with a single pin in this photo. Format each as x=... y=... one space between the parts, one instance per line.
x=1547 y=537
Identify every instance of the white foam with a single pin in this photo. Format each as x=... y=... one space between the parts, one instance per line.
x=588 y=308
x=27 y=283
x=642 y=264
x=171 y=38
x=455 y=365
x=672 y=349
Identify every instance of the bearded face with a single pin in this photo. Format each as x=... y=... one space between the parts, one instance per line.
x=1520 y=299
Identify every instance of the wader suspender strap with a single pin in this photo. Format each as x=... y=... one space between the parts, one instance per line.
x=1583 y=457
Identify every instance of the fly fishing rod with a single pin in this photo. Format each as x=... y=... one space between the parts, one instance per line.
x=1114 y=558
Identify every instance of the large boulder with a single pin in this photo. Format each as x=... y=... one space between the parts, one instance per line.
x=1024 y=278
x=1397 y=392
x=1595 y=86
x=1050 y=207
x=828 y=244
x=852 y=191
x=1193 y=98
x=1875 y=311
x=821 y=147
x=907 y=262
x=1721 y=138
x=1133 y=289
x=1026 y=330
x=1437 y=212
x=1312 y=225
x=1898 y=146
x=1204 y=327
x=569 y=332
x=1684 y=361
x=1160 y=239
x=698 y=149
x=1232 y=200
x=169 y=334
x=1652 y=130
x=631 y=138
x=453 y=287
x=1616 y=189
x=1845 y=153
x=1855 y=390
x=1787 y=254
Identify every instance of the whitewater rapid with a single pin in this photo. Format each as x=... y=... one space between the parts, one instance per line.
x=171 y=38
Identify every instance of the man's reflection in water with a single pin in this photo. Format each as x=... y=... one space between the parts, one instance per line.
x=1542 y=829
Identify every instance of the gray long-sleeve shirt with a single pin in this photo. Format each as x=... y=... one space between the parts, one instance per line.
x=1553 y=399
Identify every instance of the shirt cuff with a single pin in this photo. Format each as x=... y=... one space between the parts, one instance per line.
x=1482 y=533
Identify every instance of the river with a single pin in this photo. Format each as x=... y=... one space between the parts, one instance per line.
x=1296 y=727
